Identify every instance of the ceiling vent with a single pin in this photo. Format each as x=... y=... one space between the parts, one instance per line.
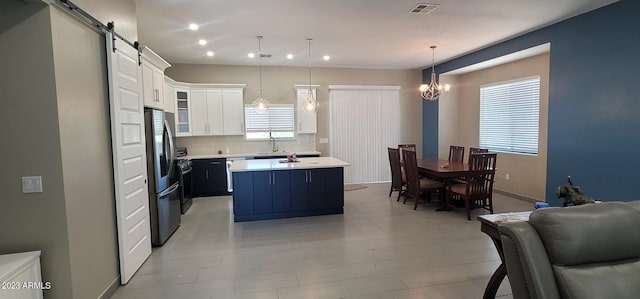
x=424 y=8
x=264 y=55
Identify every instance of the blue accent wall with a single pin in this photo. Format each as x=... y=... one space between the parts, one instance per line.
x=594 y=100
x=429 y=124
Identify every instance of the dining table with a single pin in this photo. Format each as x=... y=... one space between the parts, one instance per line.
x=442 y=169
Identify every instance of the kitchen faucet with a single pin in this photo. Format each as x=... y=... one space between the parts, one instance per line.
x=274 y=146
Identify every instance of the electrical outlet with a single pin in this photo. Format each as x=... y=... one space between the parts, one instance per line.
x=31 y=184
x=324 y=140
x=507 y=177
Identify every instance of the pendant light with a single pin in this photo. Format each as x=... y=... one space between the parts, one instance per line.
x=310 y=104
x=433 y=90
x=260 y=105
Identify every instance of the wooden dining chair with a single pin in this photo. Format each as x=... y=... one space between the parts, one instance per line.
x=398 y=179
x=476 y=150
x=456 y=153
x=406 y=147
x=477 y=192
x=416 y=186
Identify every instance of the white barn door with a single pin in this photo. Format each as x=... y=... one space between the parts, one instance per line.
x=365 y=120
x=129 y=156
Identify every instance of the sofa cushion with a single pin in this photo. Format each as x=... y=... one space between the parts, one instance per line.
x=591 y=233
x=617 y=280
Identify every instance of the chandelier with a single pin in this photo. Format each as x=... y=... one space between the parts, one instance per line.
x=433 y=90
x=310 y=104
x=261 y=105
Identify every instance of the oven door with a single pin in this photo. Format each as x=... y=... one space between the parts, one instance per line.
x=186 y=181
x=185 y=177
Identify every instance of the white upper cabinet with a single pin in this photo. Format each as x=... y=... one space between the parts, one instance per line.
x=153 y=67
x=216 y=111
x=169 y=96
x=198 y=105
x=183 y=111
x=307 y=121
x=233 y=108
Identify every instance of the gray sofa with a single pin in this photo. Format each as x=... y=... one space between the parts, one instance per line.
x=582 y=252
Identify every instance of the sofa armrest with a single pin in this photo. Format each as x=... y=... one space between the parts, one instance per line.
x=528 y=267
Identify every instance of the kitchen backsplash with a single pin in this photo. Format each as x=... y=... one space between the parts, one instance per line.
x=204 y=145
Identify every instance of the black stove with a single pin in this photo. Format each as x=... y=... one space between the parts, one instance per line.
x=185 y=177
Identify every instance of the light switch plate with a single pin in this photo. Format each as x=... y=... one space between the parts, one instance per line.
x=324 y=140
x=31 y=184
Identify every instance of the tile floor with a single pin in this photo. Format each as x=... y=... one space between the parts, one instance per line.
x=379 y=249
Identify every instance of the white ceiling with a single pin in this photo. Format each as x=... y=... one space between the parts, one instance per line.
x=355 y=33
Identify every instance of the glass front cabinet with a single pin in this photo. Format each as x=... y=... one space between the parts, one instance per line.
x=183 y=112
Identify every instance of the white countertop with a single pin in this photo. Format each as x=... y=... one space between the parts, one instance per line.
x=245 y=155
x=275 y=164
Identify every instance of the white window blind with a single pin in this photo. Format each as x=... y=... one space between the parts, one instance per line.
x=509 y=116
x=365 y=120
x=277 y=122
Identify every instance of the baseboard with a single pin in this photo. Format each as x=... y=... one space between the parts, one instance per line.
x=516 y=196
x=111 y=289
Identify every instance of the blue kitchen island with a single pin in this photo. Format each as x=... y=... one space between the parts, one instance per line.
x=271 y=189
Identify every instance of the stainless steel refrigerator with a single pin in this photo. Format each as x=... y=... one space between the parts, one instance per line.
x=164 y=197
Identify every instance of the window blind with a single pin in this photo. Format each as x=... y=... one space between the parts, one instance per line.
x=509 y=116
x=365 y=120
x=279 y=120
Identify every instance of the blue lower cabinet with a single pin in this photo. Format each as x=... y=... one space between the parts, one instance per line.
x=243 y=187
x=334 y=187
x=259 y=195
x=317 y=189
x=299 y=190
x=262 y=187
x=280 y=191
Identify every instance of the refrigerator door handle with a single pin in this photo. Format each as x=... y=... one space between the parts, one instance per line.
x=171 y=156
x=169 y=190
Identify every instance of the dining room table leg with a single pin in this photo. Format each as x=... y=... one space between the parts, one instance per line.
x=445 y=206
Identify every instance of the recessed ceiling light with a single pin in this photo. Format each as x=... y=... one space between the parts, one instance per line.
x=209 y=53
x=326 y=57
x=193 y=26
x=251 y=55
x=202 y=42
x=289 y=56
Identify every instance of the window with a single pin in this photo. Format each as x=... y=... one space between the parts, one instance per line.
x=278 y=122
x=509 y=116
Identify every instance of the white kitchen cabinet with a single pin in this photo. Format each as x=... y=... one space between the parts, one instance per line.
x=217 y=111
x=233 y=108
x=183 y=111
x=198 y=105
x=169 y=96
x=307 y=121
x=153 y=67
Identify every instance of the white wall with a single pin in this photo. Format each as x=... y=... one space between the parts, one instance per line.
x=460 y=118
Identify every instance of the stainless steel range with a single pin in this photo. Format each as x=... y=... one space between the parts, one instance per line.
x=185 y=178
